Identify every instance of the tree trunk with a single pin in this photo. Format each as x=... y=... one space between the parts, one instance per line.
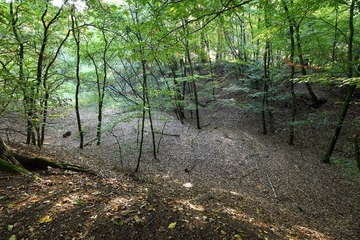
x=336 y=33
x=5 y=154
x=339 y=125
x=351 y=88
x=76 y=35
x=292 y=56
x=263 y=101
x=142 y=130
x=266 y=64
x=191 y=68
x=12 y=162
x=178 y=97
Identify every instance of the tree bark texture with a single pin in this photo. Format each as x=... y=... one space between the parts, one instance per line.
x=12 y=162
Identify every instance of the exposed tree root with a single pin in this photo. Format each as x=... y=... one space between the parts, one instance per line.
x=34 y=163
x=13 y=162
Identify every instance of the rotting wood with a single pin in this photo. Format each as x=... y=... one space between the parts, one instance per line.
x=12 y=162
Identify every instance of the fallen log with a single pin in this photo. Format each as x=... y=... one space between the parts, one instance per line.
x=12 y=162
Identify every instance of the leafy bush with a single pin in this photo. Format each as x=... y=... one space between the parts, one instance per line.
x=348 y=165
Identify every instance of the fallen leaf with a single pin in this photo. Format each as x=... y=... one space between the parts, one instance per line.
x=10 y=227
x=46 y=219
x=116 y=208
x=172 y=225
x=79 y=202
x=150 y=208
x=216 y=228
x=161 y=229
x=237 y=237
x=13 y=237
x=137 y=219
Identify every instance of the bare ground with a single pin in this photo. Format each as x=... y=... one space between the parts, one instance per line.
x=225 y=181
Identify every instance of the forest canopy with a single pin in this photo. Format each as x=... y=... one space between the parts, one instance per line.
x=179 y=119
x=153 y=56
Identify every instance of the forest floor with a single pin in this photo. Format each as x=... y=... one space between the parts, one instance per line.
x=225 y=181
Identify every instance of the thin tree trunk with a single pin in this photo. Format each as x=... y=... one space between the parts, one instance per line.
x=211 y=67
x=102 y=87
x=243 y=33
x=179 y=105
x=142 y=130
x=336 y=32
x=265 y=87
x=296 y=26
x=21 y=54
x=42 y=77
x=349 y=94
x=141 y=137
x=292 y=56
x=44 y=118
x=39 y=70
x=148 y=107
x=266 y=68
x=191 y=68
x=76 y=35
x=351 y=88
x=303 y=70
x=219 y=48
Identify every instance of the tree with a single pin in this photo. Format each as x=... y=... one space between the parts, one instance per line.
x=100 y=60
x=38 y=47
x=76 y=34
x=292 y=56
x=353 y=69
x=150 y=59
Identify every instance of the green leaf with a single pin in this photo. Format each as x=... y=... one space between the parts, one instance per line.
x=79 y=202
x=2 y=197
x=13 y=237
x=119 y=223
x=46 y=219
x=172 y=225
x=237 y=237
x=10 y=228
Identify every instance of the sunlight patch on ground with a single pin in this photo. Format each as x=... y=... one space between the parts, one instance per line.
x=235 y=193
x=188 y=185
x=195 y=207
x=166 y=176
x=309 y=233
x=292 y=233
x=118 y=203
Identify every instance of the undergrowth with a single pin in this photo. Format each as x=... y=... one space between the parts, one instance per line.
x=349 y=166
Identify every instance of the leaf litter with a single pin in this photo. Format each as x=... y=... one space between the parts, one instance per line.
x=226 y=181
